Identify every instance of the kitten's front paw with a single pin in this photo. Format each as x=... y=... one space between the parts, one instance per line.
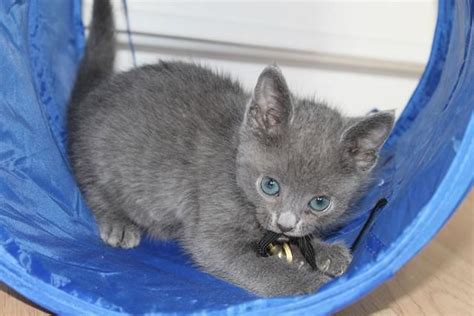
x=304 y=284
x=333 y=259
x=120 y=234
x=316 y=280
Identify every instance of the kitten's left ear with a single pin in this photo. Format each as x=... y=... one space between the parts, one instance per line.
x=270 y=109
x=362 y=141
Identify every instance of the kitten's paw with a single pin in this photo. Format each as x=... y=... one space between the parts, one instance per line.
x=302 y=284
x=316 y=280
x=120 y=234
x=333 y=259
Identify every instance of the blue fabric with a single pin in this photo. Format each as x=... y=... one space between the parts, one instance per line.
x=49 y=248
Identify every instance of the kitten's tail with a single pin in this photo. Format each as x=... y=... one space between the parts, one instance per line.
x=99 y=55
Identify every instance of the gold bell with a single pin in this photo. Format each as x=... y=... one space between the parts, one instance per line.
x=282 y=251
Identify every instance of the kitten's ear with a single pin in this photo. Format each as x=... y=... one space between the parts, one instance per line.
x=361 y=142
x=270 y=109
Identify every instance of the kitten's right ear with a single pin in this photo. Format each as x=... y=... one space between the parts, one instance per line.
x=270 y=109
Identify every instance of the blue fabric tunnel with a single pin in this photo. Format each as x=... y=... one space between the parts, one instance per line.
x=49 y=247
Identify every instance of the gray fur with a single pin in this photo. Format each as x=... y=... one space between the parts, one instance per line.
x=175 y=150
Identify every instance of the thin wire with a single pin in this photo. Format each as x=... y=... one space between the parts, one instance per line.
x=129 y=33
x=370 y=220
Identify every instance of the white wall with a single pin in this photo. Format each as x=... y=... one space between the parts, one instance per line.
x=355 y=54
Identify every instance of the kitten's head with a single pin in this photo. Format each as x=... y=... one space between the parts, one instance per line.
x=300 y=162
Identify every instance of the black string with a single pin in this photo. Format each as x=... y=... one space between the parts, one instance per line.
x=267 y=239
x=307 y=250
x=373 y=214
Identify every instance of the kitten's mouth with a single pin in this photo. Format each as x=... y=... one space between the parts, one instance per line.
x=285 y=236
x=288 y=235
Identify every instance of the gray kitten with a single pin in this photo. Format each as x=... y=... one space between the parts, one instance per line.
x=177 y=151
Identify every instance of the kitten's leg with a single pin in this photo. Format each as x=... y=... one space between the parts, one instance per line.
x=115 y=228
x=332 y=259
x=119 y=231
x=269 y=276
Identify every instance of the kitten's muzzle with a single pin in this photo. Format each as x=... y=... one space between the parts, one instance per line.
x=286 y=222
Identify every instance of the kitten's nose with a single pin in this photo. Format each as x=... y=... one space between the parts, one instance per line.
x=284 y=229
x=286 y=222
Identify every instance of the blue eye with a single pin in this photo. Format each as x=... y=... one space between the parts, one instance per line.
x=270 y=186
x=319 y=203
